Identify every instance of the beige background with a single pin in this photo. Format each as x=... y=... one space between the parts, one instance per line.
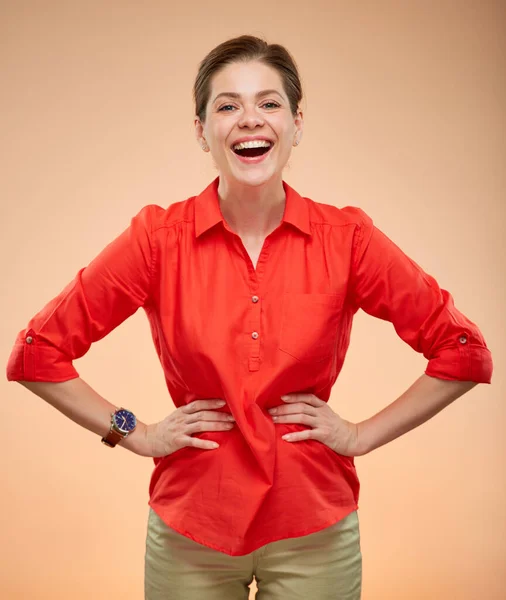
x=405 y=117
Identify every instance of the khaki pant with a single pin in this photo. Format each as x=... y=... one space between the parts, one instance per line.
x=326 y=565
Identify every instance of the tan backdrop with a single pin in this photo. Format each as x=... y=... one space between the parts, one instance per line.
x=405 y=117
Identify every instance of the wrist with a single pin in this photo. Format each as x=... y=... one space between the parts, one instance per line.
x=137 y=441
x=362 y=443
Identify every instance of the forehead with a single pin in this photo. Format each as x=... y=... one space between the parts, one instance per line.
x=246 y=78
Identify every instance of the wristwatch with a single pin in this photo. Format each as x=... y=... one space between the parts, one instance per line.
x=123 y=422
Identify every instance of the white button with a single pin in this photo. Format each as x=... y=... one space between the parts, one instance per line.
x=29 y=339
x=463 y=339
x=254 y=335
x=255 y=299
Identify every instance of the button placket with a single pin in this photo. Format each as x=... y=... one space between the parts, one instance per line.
x=254 y=355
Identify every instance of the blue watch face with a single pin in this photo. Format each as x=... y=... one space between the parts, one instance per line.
x=125 y=420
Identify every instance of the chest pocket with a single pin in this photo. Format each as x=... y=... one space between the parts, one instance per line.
x=309 y=325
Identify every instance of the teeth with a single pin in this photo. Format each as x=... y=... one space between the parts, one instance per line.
x=252 y=144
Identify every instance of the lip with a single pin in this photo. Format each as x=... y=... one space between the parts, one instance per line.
x=252 y=159
x=251 y=138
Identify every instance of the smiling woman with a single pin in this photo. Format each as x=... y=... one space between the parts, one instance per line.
x=248 y=117
x=250 y=290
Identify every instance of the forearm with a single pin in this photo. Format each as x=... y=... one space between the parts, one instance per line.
x=424 y=399
x=82 y=404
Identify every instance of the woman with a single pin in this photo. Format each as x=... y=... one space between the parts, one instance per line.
x=250 y=292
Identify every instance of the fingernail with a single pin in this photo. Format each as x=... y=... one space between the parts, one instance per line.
x=220 y=403
x=285 y=397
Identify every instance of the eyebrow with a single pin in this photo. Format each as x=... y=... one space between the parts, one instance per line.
x=237 y=96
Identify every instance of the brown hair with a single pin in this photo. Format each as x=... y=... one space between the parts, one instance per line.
x=246 y=48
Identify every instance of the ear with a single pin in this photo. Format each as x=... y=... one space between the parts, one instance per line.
x=199 y=134
x=299 y=127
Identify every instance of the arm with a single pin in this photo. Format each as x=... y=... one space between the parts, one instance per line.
x=111 y=288
x=83 y=405
x=389 y=285
x=101 y=296
x=422 y=401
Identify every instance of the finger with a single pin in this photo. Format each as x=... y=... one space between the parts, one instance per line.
x=288 y=409
x=306 y=398
x=202 y=444
x=209 y=415
x=297 y=418
x=298 y=436
x=200 y=426
x=197 y=405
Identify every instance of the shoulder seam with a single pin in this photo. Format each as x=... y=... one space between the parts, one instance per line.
x=178 y=220
x=340 y=210
x=169 y=225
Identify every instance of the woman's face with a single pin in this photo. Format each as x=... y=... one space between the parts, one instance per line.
x=249 y=127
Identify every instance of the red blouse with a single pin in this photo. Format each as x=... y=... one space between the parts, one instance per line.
x=223 y=329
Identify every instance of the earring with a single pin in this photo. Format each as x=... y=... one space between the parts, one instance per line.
x=296 y=143
x=205 y=147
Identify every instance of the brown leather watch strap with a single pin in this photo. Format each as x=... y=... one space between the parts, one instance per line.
x=112 y=438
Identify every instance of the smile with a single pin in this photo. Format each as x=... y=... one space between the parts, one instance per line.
x=253 y=151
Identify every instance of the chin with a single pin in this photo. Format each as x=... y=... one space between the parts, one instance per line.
x=255 y=177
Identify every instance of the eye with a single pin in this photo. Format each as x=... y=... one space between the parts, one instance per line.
x=271 y=105
x=226 y=108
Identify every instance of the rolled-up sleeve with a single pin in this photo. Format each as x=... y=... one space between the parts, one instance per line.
x=100 y=297
x=389 y=285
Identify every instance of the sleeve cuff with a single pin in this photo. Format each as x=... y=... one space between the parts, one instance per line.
x=474 y=363
x=31 y=360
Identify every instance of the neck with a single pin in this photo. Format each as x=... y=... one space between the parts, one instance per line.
x=252 y=211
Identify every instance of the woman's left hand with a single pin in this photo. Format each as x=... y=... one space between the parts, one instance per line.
x=327 y=427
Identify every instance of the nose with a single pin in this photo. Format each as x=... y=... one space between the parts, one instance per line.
x=251 y=118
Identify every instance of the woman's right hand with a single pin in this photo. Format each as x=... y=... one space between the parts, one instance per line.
x=175 y=431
